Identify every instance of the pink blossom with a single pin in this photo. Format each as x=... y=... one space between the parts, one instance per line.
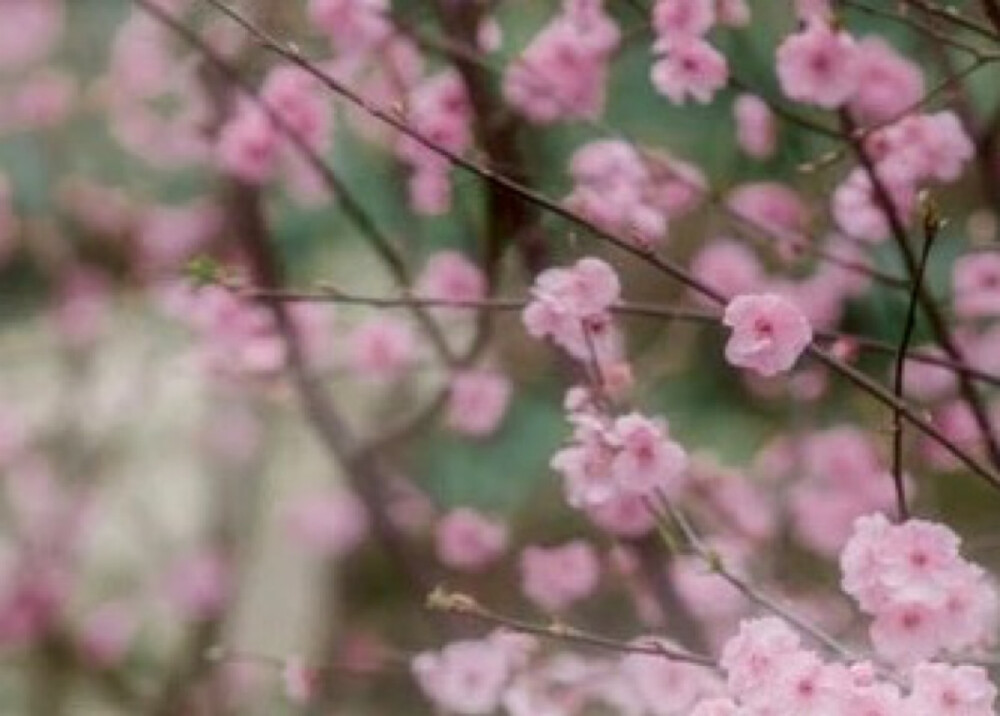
x=858 y=210
x=382 y=348
x=562 y=72
x=107 y=633
x=947 y=690
x=248 y=146
x=683 y=18
x=925 y=381
x=465 y=677
x=29 y=30
x=892 y=85
x=297 y=98
x=752 y=658
x=31 y=599
x=818 y=65
x=449 y=276
x=570 y=306
x=477 y=402
x=238 y=337
x=647 y=460
x=665 y=687
x=769 y=333
x=556 y=577
x=735 y=13
x=756 y=130
x=631 y=192
x=328 y=523
x=771 y=206
x=727 y=266
x=976 y=285
x=927 y=146
x=199 y=585
x=438 y=109
x=623 y=515
x=352 y=25
x=689 y=68
x=843 y=477
x=924 y=597
x=467 y=540
x=716 y=707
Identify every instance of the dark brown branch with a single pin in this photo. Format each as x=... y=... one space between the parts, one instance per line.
x=938 y=324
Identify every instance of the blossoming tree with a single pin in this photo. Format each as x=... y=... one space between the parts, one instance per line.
x=654 y=342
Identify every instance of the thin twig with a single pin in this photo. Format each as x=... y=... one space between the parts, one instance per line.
x=330 y=294
x=464 y=605
x=931 y=227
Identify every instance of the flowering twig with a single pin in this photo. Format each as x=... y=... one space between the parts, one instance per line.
x=325 y=293
x=938 y=324
x=464 y=605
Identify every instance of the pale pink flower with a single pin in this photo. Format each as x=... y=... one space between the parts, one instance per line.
x=665 y=687
x=248 y=146
x=382 y=348
x=924 y=597
x=928 y=382
x=107 y=633
x=756 y=130
x=630 y=192
x=755 y=656
x=858 y=211
x=29 y=30
x=727 y=266
x=330 y=523
x=352 y=25
x=450 y=276
x=647 y=460
x=769 y=333
x=554 y=578
x=199 y=585
x=438 y=109
x=905 y=633
x=735 y=13
x=465 y=677
x=562 y=72
x=683 y=18
x=689 y=68
x=467 y=540
x=927 y=146
x=950 y=690
x=891 y=86
x=297 y=98
x=716 y=707
x=624 y=515
x=818 y=65
x=773 y=207
x=976 y=285
x=477 y=402
x=571 y=306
